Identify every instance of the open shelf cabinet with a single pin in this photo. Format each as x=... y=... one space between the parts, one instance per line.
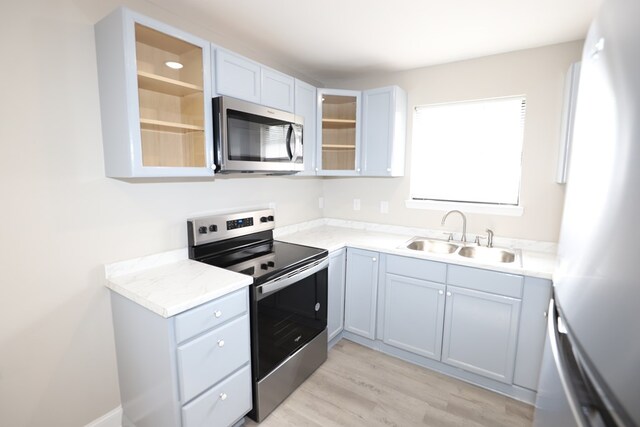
x=339 y=134
x=155 y=94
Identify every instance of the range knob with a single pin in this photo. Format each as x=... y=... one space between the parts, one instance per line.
x=202 y=230
x=264 y=266
x=270 y=218
x=213 y=228
x=263 y=219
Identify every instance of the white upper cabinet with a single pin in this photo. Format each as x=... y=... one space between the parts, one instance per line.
x=384 y=128
x=237 y=76
x=305 y=107
x=338 y=134
x=277 y=90
x=155 y=98
x=241 y=78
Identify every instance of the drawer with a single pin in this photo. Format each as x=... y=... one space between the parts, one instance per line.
x=212 y=356
x=211 y=314
x=223 y=404
x=417 y=268
x=485 y=280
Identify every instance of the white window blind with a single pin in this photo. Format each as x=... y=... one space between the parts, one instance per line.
x=468 y=151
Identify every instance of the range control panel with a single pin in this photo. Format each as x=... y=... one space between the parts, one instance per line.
x=212 y=228
x=239 y=223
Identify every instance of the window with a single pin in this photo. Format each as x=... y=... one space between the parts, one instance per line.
x=469 y=152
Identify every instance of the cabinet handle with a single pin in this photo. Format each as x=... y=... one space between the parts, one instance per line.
x=223 y=396
x=220 y=343
x=217 y=313
x=388 y=169
x=317 y=169
x=358 y=170
x=441 y=292
x=374 y=259
x=213 y=167
x=544 y=313
x=448 y=294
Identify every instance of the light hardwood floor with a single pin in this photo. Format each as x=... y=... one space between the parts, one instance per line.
x=358 y=386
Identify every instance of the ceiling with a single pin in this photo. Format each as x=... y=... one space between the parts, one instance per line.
x=335 y=39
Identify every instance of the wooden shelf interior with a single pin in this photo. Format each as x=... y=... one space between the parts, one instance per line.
x=171 y=101
x=159 y=125
x=166 y=85
x=338 y=132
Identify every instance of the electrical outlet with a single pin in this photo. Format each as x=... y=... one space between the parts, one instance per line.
x=384 y=207
x=356 y=204
x=321 y=202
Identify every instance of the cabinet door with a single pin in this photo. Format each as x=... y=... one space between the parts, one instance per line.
x=237 y=76
x=414 y=315
x=335 y=309
x=384 y=118
x=338 y=137
x=361 y=291
x=277 y=90
x=480 y=332
x=155 y=98
x=305 y=107
x=533 y=330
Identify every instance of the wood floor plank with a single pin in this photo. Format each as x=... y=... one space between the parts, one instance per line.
x=360 y=387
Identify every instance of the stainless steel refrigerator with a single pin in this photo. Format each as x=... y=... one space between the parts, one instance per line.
x=591 y=367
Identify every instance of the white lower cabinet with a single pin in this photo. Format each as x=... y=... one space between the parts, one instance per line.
x=413 y=315
x=480 y=332
x=220 y=405
x=486 y=323
x=360 y=293
x=193 y=369
x=335 y=307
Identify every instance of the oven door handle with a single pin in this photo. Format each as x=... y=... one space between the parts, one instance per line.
x=291 y=278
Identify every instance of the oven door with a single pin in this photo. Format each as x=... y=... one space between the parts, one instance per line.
x=288 y=313
x=254 y=138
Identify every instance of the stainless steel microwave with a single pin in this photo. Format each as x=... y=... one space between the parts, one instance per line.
x=253 y=138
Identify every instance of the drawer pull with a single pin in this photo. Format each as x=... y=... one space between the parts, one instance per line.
x=223 y=396
x=220 y=343
x=441 y=292
x=448 y=294
x=217 y=313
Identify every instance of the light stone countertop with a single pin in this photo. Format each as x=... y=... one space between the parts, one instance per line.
x=176 y=286
x=169 y=283
x=534 y=264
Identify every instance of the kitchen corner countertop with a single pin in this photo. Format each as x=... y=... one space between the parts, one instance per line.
x=169 y=283
x=176 y=286
x=534 y=264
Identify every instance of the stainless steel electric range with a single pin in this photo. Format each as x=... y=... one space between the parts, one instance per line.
x=288 y=298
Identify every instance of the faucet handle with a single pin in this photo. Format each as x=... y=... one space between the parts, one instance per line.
x=450 y=238
x=477 y=241
x=489 y=237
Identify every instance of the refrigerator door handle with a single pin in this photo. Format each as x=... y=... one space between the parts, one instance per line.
x=562 y=367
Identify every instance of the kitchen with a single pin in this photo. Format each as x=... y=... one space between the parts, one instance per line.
x=66 y=214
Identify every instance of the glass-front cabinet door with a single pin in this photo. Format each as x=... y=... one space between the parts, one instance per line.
x=338 y=132
x=155 y=95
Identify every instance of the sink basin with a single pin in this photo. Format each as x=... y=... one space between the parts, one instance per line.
x=482 y=253
x=433 y=246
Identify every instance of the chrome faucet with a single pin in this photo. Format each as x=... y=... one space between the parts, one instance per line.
x=464 y=223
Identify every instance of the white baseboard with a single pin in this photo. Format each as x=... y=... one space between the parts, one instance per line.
x=112 y=418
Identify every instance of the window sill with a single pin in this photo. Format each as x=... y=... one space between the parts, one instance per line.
x=465 y=207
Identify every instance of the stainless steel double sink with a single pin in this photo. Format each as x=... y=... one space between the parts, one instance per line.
x=480 y=253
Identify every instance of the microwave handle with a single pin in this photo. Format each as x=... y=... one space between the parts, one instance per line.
x=290 y=134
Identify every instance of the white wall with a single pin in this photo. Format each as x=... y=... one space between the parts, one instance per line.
x=537 y=73
x=61 y=220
